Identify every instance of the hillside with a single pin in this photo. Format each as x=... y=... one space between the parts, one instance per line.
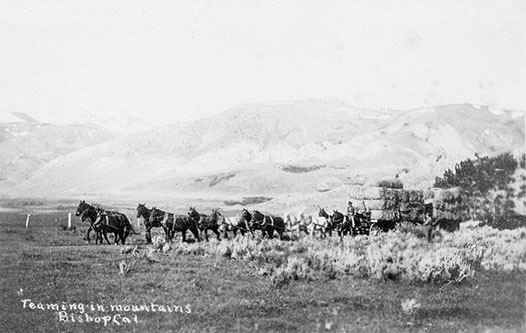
x=275 y=148
x=27 y=145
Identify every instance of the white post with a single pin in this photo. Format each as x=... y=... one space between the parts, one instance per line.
x=138 y=222
x=69 y=220
x=27 y=220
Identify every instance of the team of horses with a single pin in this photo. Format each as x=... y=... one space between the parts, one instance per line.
x=103 y=222
x=320 y=225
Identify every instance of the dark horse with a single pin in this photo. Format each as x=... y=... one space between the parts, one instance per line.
x=205 y=222
x=267 y=224
x=88 y=214
x=173 y=223
x=144 y=212
x=336 y=221
x=360 y=223
x=115 y=222
x=343 y=225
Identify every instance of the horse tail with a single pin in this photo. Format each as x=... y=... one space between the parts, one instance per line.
x=129 y=226
x=281 y=224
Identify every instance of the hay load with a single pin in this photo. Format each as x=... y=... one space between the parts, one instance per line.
x=412 y=205
x=409 y=205
x=385 y=215
x=383 y=202
x=393 y=205
x=376 y=204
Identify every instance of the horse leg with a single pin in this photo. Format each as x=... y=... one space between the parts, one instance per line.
x=270 y=233
x=126 y=233
x=165 y=234
x=105 y=234
x=216 y=231
x=148 y=234
x=87 y=233
x=183 y=232
x=195 y=231
x=98 y=237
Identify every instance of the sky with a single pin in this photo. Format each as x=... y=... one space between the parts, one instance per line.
x=184 y=60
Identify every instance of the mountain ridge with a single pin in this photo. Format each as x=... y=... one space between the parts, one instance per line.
x=245 y=149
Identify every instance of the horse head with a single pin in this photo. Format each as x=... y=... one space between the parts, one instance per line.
x=157 y=215
x=257 y=220
x=81 y=208
x=336 y=217
x=193 y=214
x=142 y=211
x=216 y=216
x=245 y=215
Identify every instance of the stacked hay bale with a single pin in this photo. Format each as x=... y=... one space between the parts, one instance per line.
x=389 y=204
x=412 y=206
x=448 y=206
x=382 y=202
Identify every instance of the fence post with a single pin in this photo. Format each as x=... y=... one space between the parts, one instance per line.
x=69 y=220
x=138 y=222
x=27 y=220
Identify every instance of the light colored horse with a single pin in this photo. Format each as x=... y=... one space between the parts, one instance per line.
x=295 y=223
x=317 y=224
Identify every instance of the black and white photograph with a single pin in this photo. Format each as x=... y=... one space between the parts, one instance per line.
x=263 y=166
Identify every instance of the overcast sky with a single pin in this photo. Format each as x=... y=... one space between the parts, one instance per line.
x=183 y=60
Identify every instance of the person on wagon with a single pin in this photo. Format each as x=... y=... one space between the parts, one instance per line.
x=350 y=213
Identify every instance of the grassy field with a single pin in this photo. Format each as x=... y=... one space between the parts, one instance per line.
x=52 y=281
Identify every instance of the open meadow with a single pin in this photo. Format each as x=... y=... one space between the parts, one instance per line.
x=52 y=281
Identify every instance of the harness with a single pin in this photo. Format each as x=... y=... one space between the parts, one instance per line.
x=235 y=226
x=198 y=222
x=264 y=221
x=86 y=215
x=107 y=224
x=271 y=219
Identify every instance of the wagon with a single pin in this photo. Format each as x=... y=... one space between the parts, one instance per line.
x=365 y=225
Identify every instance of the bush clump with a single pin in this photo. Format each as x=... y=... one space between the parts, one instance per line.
x=403 y=254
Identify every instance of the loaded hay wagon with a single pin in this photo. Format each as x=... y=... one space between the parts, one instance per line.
x=388 y=207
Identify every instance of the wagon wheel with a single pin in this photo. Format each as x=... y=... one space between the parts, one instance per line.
x=375 y=229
